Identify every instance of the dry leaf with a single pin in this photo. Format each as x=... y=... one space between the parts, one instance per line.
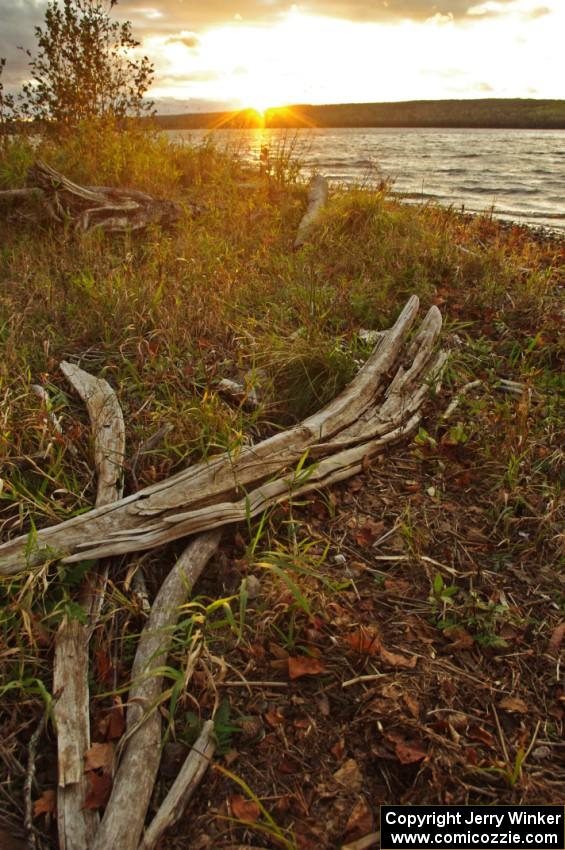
x=349 y=775
x=365 y=641
x=360 y=820
x=116 y=720
x=100 y=786
x=367 y=533
x=244 y=809
x=409 y=752
x=556 y=639
x=459 y=638
x=477 y=733
x=514 y=704
x=46 y=804
x=302 y=665
x=99 y=756
x=396 y=660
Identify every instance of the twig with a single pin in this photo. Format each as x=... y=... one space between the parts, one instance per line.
x=454 y=404
x=184 y=786
x=372 y=840
x=124 y=817
x=28 y=784
x=317 y=198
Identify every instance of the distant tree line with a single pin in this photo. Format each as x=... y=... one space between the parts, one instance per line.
x=487 y=112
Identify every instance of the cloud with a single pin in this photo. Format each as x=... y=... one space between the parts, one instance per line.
x=540 y=12
x=188 y=39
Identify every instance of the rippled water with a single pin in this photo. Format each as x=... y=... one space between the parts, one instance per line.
x=518 y=174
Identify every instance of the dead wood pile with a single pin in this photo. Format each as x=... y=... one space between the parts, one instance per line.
x=92 y=207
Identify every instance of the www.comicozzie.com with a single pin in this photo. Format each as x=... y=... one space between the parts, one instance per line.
x=462 y=827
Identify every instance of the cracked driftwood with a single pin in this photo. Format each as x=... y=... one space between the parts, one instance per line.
x=173 y=806
x=93 y=207
x=380 y=406
x=77 y=825
x=122 y=823
x=317 y=199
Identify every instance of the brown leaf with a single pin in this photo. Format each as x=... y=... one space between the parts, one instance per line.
x=360 y=820
x=477 y=733
x=412 y=704
x=396 y=660
x=459 y=638
x=244 y=809
x=117 y=722
x=100 y=786
x=46 y=804
x=365 y=640
x=398 y=586
x=274 y=717
x=409 y=752
x=556 y=639
x=99 y=756
x=349 y=775
x=370 y=531
x=302 y=665
x=514 y=704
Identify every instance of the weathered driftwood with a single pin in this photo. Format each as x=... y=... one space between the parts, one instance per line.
x=173 y=806
x=380 y=406
x=97 y=207
x=317 y=199
x=77 y=825
x=123 y=820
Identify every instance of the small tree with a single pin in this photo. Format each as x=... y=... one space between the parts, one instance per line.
x=85 y=67
x=8 y=112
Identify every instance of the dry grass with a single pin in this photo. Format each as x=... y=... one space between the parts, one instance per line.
x=467 y=581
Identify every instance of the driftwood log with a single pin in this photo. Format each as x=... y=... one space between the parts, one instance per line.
x=93 y=207
x=382 y=405
x=317 y=199
x=79 y=828
x=76 y=825
x=122 y=824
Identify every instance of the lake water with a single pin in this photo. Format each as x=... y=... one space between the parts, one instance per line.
x=518 y=174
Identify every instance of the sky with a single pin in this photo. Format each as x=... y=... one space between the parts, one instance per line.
x=231 y=54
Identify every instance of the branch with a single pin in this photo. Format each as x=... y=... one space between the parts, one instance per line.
x=124 y=817
x=173 y=806
x=77 y=825
x=317 y=199
x=382 y=405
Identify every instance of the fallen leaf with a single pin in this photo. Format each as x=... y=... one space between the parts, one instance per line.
x=556 y=639
x=409 y=752
x=274 y=717
x=100 y=786
x=365 y=640
x=412 y=704
x=46 y=804
x=349 y=775
x=514 y=704
x=244 y=809
x=360 y=820
x=99 y=756
x=367 y=533
x=303 y=665
x=399 y=586
x=477 y=733
x=396 y=660
x=338 y=749
x=117 y=721
x=459 y=638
